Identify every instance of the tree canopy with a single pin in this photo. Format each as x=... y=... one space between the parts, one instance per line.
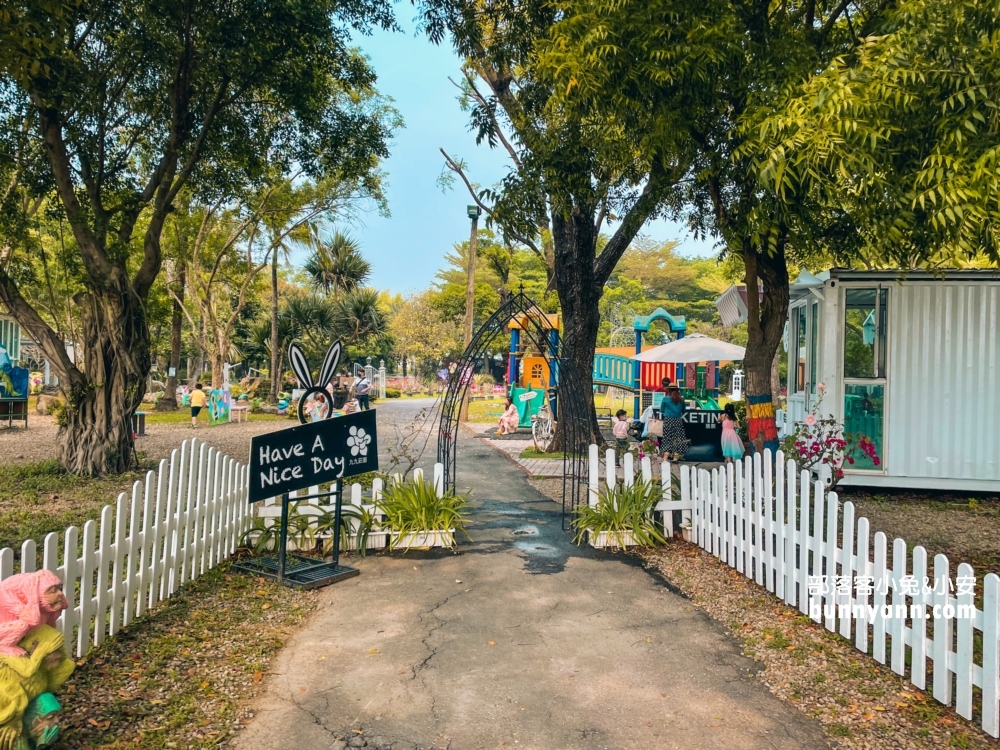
x=123 y=106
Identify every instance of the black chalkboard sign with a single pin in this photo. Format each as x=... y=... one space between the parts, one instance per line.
x=703 y=429
x=312 y=454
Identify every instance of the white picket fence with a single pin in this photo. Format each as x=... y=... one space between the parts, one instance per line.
x=354 y=496
x=780 y=528
x=182 y=521
x=667 y=505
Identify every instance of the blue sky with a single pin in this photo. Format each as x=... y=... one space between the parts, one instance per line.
x=407 y=248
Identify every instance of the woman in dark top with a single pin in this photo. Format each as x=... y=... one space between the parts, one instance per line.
x=674 y=443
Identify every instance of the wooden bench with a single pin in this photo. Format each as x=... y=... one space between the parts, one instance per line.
x=239 y=413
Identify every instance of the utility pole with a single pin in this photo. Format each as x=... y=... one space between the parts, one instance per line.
x=470 y=288
x=473 y=212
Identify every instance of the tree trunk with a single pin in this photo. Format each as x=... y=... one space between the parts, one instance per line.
x=275 y=371
x=765 y=325
x=217 y=367
x=575 y=247
x=169 y=399
x=97 y=436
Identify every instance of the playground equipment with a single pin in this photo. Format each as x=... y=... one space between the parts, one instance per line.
x=699 y=358
x=616 y=368
x=530 y=378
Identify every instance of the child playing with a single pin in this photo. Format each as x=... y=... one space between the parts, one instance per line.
x=198 y=402
x=732 y=446
x=621 y=428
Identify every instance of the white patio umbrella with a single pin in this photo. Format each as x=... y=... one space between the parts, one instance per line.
x=695 y=347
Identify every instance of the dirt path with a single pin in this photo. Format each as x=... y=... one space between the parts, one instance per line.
x=521 y=640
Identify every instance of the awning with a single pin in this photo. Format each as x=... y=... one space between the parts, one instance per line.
x=694 y=347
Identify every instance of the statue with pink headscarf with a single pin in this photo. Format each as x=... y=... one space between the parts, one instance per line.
x=32 y=661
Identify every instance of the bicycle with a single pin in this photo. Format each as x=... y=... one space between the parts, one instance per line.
x=542 y=427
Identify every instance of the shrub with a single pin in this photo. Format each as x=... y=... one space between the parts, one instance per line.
x=58 y=410
x=393 y=393
x=622 y=512
x=413 y=507
x=819 y=442
x=236 y=390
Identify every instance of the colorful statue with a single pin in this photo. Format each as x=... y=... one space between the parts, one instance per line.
x=32 y=661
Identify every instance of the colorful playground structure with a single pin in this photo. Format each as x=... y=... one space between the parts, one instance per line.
x=531 y=380
x=617 y=368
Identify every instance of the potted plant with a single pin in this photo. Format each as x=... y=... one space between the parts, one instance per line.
x=622 y=517
x=418 y=516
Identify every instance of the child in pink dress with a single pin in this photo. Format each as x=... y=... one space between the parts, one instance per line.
x=732 y=446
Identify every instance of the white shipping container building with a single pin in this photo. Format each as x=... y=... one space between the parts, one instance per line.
x=911 y=359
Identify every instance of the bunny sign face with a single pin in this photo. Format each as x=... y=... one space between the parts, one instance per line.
x=315 y=392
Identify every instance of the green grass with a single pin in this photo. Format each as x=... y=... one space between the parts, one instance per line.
x=39 y=498
x=177 y=678
x=485 y=410
x=532 y=453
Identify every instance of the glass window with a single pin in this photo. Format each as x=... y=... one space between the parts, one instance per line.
x=800 y=350
x=813 y=345
x=864 y=333
x=864 y=416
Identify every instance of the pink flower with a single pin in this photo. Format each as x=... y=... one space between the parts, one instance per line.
x=821 y=387
x=810 y=420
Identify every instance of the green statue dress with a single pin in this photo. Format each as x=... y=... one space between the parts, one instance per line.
x=29 y=712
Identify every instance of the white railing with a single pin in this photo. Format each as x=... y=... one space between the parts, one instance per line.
x=182 y=521
x=778 y=527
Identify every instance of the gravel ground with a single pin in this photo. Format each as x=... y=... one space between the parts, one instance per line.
x=965 y=529
x=38 y=443
x=860 y=703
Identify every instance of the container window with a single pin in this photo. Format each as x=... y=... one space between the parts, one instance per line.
x=864 y=417
x=813 y=347
x=800 y=350
x=864 y=333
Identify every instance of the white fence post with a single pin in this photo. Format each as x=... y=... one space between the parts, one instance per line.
x=780 y=528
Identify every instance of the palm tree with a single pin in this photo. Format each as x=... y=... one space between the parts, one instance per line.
x=360 y=316
x=338 y=265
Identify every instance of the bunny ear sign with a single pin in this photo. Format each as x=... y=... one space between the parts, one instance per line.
x=299 y=366
x=330 y=362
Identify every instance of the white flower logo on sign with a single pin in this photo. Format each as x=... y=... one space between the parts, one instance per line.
x=358 y=441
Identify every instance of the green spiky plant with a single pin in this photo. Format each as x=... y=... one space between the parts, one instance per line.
x=262 y=538
x=367 y=521
x=625 y=513
x=412 y=507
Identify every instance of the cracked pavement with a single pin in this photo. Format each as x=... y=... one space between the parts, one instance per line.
x=521 y=640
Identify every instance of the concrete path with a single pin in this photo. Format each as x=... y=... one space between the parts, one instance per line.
x=521 y=640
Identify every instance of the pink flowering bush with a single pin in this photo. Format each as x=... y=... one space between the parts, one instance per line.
x=819 y=442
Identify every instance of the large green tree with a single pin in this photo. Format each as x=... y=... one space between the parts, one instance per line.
x=569 y=173
x=130 y=102
x=695 y=78
x=904 y=135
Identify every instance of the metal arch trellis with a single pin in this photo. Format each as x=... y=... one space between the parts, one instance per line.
x=569 y=399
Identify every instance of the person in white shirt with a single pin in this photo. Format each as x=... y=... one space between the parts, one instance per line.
x=363 y=388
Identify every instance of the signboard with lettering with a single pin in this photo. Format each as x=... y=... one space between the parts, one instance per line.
x=704 y=431
x=312 y=454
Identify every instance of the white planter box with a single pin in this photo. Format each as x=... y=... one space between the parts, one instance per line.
x=442 y=538
x=687 y=533
x=605 y=539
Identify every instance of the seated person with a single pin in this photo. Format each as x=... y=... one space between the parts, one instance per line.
x=509 y=419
